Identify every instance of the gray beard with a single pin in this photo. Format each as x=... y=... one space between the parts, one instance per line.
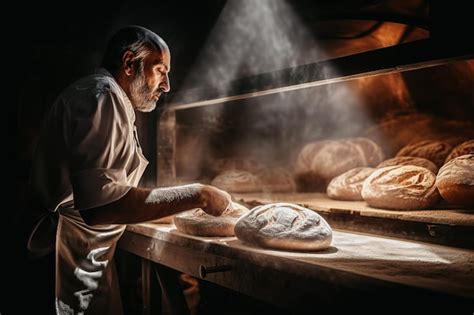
x=141 y=95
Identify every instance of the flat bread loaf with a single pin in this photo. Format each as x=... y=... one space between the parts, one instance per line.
x=455 y=180
x=410 y=160
x=348 y=185
x=284 y=226
x=199 y=223
x=401 y=187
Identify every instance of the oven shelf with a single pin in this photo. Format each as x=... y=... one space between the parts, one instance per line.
x=445 y=226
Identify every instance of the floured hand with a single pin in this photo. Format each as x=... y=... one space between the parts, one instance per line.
x=214 y=200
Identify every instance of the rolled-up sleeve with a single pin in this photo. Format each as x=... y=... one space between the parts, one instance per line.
x=100 y=141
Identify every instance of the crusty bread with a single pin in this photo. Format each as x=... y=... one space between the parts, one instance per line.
x=394 y=132
x=466 y=147
x=455 y=180
x=276 y=179
x=433 y=150
x=348 y=185
x=410 y=160
x=240 y=164
x=284 y=226
x=319 y=162
x=401 y=187
x=237 y=181
x=371 y=151
x=197 y=222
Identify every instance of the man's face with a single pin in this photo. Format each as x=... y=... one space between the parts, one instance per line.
x=151 y=80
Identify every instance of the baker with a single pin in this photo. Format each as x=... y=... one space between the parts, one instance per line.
x=88 y=164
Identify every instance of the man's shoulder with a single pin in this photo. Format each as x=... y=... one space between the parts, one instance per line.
x=93 y=85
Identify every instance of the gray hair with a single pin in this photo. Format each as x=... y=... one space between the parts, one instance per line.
x=137 y=39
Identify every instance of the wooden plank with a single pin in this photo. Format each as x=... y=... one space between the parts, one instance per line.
x=357 y=268
x=452 y=227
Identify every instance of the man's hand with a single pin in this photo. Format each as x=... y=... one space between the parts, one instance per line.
x=214 y=200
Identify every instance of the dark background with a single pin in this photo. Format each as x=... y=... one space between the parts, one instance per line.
x=52 y=45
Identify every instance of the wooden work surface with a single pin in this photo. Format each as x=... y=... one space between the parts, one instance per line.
x=446 y=226
x=356 y=267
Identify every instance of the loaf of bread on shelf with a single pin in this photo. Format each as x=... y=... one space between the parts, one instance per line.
x=276 y=179
x=410 y=160
x=401 y=187
x=319 y=162
x=221 y=165
x=433 y=150
x=466 y=147
x=455 y=180
x=284 y=226
x=237 y=181
x=348 y=185
x=197 y=222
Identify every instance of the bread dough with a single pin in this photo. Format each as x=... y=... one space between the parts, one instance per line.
x=197 y=222
x=284 y=226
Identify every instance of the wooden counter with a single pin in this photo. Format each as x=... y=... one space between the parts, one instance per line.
x=357 y=269
x=445 y=225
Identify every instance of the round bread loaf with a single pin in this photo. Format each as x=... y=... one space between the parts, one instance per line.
x=348 y=185
x=276 y=179
x=401 y=187
x=394 y=132
x=466 y=147
x=371 y=151
x=319 y=162
x=410 y=160
x=455 y=180
x=197 y=222
x=284 y=226
x=237 y=181
x=241 y=164
x=435 y=151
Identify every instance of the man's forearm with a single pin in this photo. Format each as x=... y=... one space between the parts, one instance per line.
x=141 y=205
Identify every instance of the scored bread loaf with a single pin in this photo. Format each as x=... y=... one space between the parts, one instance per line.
x=401 y=187
x=433 y=150
x=410 y=160
x=199 y=223
x=284 y=226
x=348 y=185
x=237 y=181
x=455 y=180
x=466 y=147
x=319 y=162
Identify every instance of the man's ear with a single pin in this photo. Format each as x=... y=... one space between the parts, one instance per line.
x=127 y=62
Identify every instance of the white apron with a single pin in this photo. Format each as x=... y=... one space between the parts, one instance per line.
x=88 y=149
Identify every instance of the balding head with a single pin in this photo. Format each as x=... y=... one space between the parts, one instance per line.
x=139 y=40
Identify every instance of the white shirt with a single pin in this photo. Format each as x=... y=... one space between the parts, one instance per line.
x=88 y=149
